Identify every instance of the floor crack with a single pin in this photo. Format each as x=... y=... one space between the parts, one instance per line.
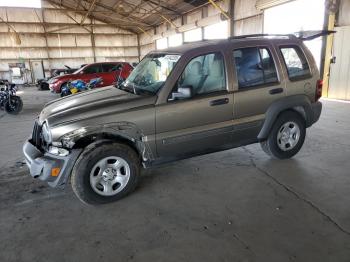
x=290 y=190
x=243 y=243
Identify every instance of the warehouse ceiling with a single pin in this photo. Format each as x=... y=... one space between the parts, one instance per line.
x=134 y=15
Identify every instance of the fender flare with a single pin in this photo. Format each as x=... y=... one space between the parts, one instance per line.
x=298 y=103
x=120 y=130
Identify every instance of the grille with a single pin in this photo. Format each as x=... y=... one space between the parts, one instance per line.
x=36 y=136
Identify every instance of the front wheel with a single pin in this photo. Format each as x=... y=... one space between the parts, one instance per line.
x=105 y=172
x=286 y=137
x=14 y=105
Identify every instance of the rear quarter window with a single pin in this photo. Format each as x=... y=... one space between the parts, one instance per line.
x=296 y=63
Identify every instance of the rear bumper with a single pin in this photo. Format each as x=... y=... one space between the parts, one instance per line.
x=40 y=164
x=316 y=111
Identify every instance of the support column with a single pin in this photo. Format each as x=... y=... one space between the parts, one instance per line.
x=231 y=13
x=327 y=55
x=93 y=42
x=138 y=47
x=46 y=43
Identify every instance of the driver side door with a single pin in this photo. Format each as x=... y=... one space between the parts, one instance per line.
x=200 y=123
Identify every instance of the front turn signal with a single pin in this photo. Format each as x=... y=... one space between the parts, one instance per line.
x=55 y=171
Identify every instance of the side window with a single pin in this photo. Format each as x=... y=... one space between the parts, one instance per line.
x=107 y=68
x=295 y=62
x=116 y=67
x=204 y=74
x=254 y=67
x=92 y=69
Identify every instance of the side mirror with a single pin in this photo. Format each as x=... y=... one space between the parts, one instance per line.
x=182 y=93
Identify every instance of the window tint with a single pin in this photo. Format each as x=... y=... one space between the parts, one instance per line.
x=254 y=67
x=110 y=67
x=92 y=69
x=296 y=62
x=206 y=74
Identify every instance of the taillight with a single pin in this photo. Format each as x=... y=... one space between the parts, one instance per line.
x=319 y=86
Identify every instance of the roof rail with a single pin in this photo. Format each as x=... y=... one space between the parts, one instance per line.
x=302 y=35
x=262 y=35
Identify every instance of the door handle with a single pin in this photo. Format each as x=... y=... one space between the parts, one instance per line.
x=221 y=101
x=276 y=91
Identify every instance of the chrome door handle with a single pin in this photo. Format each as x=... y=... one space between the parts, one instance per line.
x=276 y=91
x=221 y=101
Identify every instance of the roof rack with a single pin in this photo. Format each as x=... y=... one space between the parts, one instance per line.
x=262 y=35
x=302 y=35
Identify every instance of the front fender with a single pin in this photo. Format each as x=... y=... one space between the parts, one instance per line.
x=121 y=130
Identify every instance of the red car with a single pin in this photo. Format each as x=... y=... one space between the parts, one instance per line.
x=108 y=71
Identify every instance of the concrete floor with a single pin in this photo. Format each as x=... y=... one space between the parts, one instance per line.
x=237 y=205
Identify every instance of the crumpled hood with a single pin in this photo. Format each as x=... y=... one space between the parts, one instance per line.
x=91 y=104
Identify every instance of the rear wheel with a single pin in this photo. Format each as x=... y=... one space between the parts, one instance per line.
x=286 y=137
x=105 y=172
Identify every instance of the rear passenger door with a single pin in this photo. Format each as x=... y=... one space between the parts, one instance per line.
x=258 y=84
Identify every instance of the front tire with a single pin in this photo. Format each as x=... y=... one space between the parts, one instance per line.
x=286 y=136
x=105 y=172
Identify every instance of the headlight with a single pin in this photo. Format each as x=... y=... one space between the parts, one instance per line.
x=58 y=151
x=68 y=139
x=46 y=133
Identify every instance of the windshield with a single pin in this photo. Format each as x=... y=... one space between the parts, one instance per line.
x=78 y=71
x=151 y=73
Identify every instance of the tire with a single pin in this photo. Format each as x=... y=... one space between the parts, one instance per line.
x=65 y=93
x=15 y=107
x=286 y=136
x=89 y=171
x=61 y=87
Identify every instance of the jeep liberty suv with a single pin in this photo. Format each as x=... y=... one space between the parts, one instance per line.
x=180 y=102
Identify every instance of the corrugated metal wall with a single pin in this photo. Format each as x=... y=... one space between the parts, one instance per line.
x=61 y=42
x=339 y=78
x=339 y=81
x=247 y=20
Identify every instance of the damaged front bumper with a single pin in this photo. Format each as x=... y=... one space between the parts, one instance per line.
x=49 y=167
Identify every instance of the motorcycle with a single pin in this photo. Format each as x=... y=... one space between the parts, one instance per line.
x=9 y=101
x=76 y=86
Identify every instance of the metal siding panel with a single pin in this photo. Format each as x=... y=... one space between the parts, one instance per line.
x=245 y=8
x=263 y=4
x=339 y=81
x=252 y=25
